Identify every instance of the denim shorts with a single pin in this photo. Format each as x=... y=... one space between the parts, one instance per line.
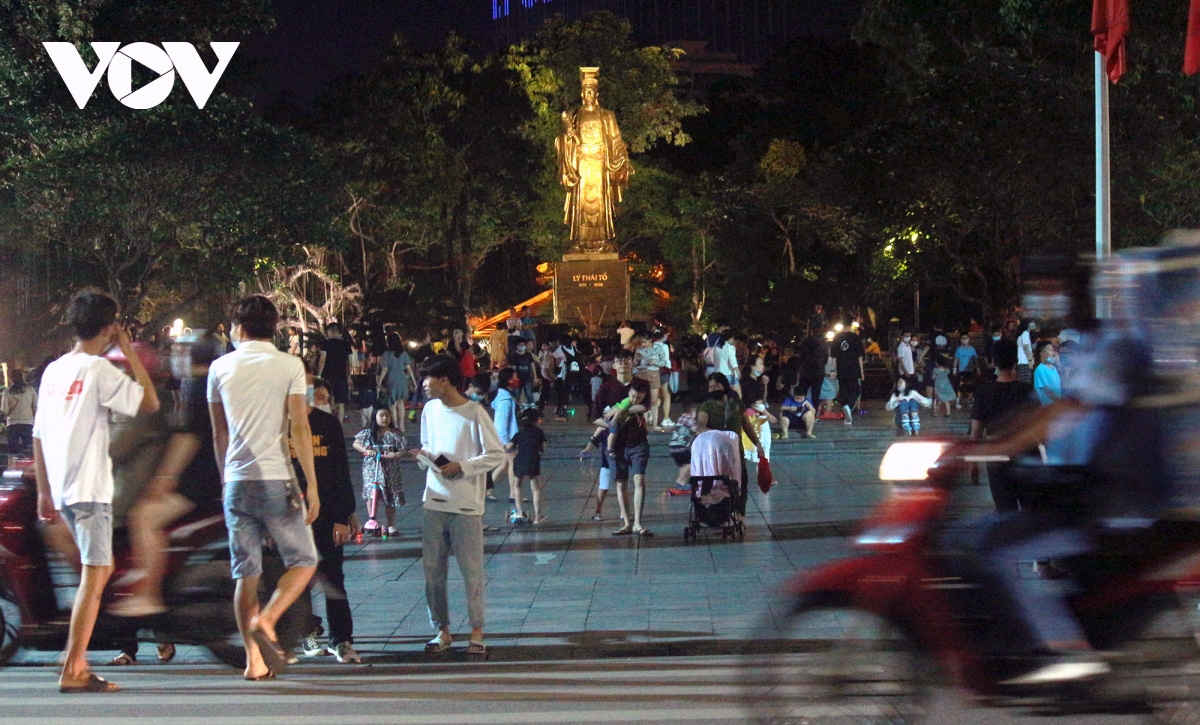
x=91 y=525
x=256 y=510
x=632 y=461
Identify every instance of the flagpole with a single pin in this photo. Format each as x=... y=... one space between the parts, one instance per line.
x=1103 y=179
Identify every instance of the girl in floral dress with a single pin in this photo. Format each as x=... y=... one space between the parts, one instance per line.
x=382 y=448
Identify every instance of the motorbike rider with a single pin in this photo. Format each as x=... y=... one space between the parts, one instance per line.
x=185 y=475
x=1094 y=427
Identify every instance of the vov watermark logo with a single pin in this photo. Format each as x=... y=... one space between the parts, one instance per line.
x=118 y=61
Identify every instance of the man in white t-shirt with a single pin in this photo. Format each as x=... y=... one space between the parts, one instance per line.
x=71 y=462
x=256 y=397
x=1025 y=353
x=906 y=368
x=459 y=436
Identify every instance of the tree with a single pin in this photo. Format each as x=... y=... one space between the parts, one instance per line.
x=171 y=199
x=439 y=168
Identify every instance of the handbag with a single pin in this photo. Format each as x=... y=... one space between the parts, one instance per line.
x=764 y=475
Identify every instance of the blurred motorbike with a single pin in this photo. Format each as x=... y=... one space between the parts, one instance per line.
x=866 y=639
x=197 y=588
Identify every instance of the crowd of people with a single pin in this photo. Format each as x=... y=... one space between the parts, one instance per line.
x=257 y=421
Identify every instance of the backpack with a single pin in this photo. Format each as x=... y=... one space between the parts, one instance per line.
x=710 y=352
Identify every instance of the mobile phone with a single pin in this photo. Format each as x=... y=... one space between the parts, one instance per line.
x=441 y=460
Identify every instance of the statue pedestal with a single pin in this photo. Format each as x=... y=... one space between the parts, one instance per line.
x=591 y=290
x=589 y=257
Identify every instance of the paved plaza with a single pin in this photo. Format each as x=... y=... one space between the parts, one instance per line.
x=569 y=589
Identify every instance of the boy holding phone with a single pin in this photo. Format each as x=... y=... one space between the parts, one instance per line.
x=459 y=438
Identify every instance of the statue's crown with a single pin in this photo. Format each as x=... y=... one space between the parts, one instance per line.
x=590 y=76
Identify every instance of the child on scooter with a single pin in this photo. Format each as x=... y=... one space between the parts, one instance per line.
x=382 y=448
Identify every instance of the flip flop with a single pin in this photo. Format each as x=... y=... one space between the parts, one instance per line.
x=268 y=675
x=645 y=532
x=94 y=683
x=437 y=644
x=476 y=648
x=623 y=531
x=272 y=654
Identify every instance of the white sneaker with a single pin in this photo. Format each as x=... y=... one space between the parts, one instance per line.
x=391 y=531
x=345 y=654
x=1061 y=672
x=312 y=645
x=848 y=415
x=668 y=423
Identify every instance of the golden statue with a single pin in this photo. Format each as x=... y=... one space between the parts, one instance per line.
x=593 y=165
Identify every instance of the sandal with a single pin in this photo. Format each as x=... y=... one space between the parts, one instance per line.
x=272 y=654
x=438 y=644
x=623 y=531
x=166 y=652
x=268 y=675
x=122 y=659
x=477 y=648
x=92 y=684
x=645 y=532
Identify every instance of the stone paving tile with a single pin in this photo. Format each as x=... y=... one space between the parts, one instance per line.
x=570 y=583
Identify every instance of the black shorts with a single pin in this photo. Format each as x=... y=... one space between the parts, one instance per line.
x=340 y=390
x=631 y=461
x=527 y=468
x=681 y=456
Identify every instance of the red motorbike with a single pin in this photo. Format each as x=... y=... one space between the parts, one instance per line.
x=868 y=638
x=197 y=588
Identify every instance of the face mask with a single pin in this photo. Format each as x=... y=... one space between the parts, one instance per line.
x=521 y=350
x=326 y=408
x=900 y=390
x=475 y=396
x=716 y=395
x=907 y=338
x=995 y=338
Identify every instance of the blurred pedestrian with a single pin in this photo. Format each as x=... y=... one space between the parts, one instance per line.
x=19 y=404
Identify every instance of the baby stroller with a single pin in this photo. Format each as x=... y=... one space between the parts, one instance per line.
x=716 y=484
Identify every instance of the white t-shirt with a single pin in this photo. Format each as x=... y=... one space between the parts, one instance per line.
x=467 y=436
x=904 y=353
x=626 y=334
x=78 y=392
x=727 y=361
x=1022 y=343
x=253 y=383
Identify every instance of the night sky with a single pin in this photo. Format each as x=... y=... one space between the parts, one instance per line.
x=318 y=41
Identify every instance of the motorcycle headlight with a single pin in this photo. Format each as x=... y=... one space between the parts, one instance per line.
x=911 y=460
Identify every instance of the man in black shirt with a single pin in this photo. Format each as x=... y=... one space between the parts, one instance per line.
x=847 y=350
x=335 y=525
x=522 y=361
x=996 y=403
x=334 y=366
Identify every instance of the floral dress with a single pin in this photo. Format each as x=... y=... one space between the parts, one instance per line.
x=384 y=471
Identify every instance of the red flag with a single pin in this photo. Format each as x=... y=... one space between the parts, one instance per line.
x=1191 y=52
x=1110 y=23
